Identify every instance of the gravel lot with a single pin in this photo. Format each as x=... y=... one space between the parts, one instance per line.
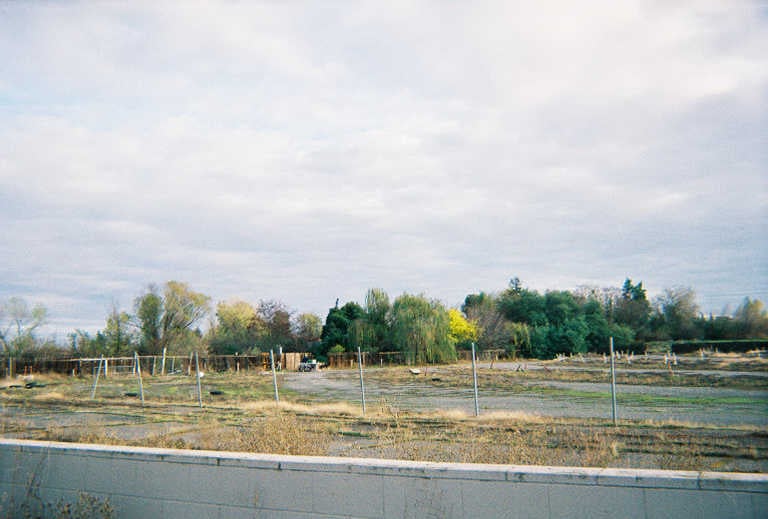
x=718 y=406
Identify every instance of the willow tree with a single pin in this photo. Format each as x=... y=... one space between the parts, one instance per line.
x=421 y=329
x=361 y=334
x=377 y=315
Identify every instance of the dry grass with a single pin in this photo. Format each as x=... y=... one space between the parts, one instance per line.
x=639 y=373
x=335 y=408
x=446 y=437
x=280 y=433
x=245 y=418
x=496 y=445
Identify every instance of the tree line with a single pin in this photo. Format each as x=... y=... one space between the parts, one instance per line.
x=517 y=320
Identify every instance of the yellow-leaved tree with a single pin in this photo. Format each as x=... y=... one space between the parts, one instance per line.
x=461 y=331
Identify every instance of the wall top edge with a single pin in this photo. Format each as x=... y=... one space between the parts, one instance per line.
x=585 y=475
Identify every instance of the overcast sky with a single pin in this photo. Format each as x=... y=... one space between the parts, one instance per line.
x=309 y=151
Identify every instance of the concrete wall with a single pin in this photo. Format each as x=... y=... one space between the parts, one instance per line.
x=146 y=483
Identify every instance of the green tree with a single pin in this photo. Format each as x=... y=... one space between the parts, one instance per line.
x=377 y=314
x=568 y=337
x=520 y=305
x=337 y=323
x=307 y=329
x=118 y=333
x=559 y=307
x=361 y=334
x=632 y=308
x=519 y=339
x=84 y=345
x=370 y=331
x=168 y=321
x=598 y=327
x=420 y=329
x=720 y=327
x=149 y=312
x=238 y=329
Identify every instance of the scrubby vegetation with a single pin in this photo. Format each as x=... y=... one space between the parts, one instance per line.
x=242 y=416
x=516 y=321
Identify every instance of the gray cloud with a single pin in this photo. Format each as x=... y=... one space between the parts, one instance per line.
x=306 y=153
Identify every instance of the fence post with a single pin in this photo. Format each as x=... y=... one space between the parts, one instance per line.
x=362 y=385
x=197 y=376
x=137 y=364
x=274 y=376
x=613 y=384
x=162 y=364
x=96 y=380
x=474 y=378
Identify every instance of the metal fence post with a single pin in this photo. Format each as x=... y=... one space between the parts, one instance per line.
x=474 y=377
x=197 y=375
x=138 y=373
x=613 y=384
x=362 y=385
x=96 y=380
x=274 y=376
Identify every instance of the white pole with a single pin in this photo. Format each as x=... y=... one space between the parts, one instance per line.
x=197 y=375
x=96 y=380
x=162 y=364
x=474 y=377
x=613 y=385
x=138 y=372
x=274 y=376
x=362 y=385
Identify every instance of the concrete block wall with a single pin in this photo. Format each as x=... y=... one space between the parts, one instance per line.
x=146 y=482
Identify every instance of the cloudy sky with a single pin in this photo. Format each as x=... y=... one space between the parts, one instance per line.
x=308 y=151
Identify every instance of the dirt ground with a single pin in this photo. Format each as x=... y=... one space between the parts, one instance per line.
x=504 y=389
x=542 y=413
